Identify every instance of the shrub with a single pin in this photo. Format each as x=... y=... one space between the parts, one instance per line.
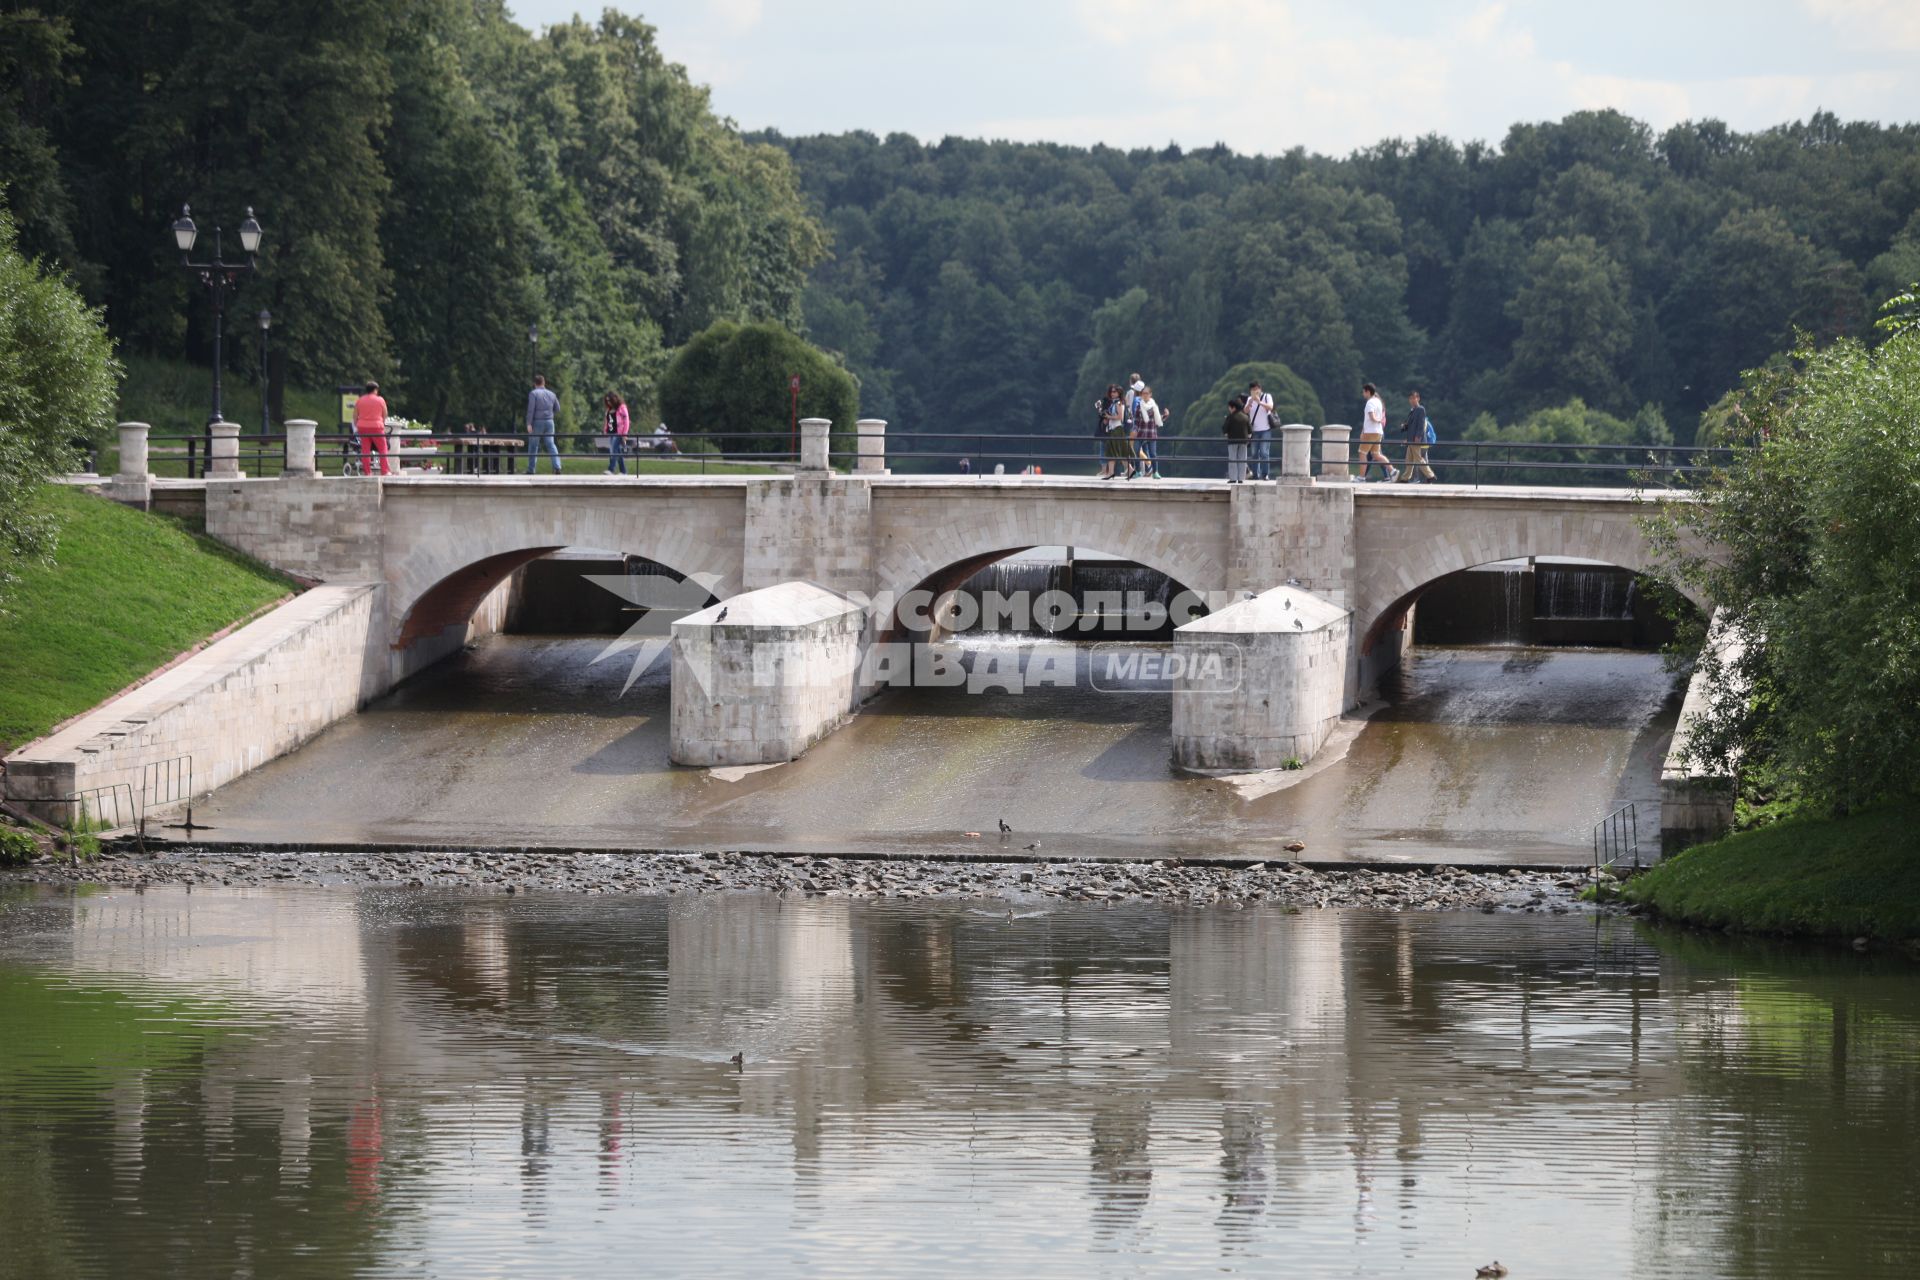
x=16 y=847
x=731 y=380
x=1293 y=399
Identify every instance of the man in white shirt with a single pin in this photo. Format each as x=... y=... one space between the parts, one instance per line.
x=1373 y=429
x=1260 y=447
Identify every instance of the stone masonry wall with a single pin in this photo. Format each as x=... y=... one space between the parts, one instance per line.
x=321 y=529
x=765 y=683
x=235 y=705
x=811 y=527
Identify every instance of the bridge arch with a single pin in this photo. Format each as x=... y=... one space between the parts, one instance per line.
x=1442 y=540
x=439 y=568
x=1185 y=540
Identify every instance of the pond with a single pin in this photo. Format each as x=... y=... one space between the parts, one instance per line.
x=336 y=1082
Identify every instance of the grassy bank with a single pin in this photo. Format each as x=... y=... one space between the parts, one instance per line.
x=127 y=592
x=1850 y=877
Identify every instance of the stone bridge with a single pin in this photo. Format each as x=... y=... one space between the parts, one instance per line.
x=439 y=549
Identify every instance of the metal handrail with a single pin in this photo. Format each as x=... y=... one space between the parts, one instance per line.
x=92 y=804
x=1616 y=837
x=1486 y=461
x=167 y=782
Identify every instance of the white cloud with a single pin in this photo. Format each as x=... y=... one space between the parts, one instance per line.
x=738 y=16
x=1871 y=24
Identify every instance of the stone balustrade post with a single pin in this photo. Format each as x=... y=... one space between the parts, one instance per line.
x=1296 y=453
x=224 y=451
x=814 y=435
x=871 y=438
x=1333 y=452
x=300 y=433
x=133 y=453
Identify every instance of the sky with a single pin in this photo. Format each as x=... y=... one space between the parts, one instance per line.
x=1268 y=75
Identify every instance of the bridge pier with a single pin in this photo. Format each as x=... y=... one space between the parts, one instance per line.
x=1262 y=682
x=761 y=678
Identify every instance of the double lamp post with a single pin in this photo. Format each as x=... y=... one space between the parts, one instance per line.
x=219 y=277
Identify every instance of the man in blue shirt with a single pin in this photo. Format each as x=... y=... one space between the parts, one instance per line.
x=542 y=405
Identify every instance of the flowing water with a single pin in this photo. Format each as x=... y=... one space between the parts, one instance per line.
x=1495 y=755
x=333 y=1083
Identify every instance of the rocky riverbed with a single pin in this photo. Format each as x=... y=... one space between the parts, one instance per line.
x=1287 y=884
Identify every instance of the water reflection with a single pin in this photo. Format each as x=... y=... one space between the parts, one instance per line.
x=321 y=1082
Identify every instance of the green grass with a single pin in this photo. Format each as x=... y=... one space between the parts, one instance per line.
x=1850 y=877
x=126 y=593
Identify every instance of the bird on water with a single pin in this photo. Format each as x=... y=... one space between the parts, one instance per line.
x=1492 y=1271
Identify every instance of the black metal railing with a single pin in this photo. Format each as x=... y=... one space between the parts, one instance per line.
x=97 y=811
x=1470 y=462
x=514 y=452
x=164 y=783
x=1474 y=463
x=1616 y=840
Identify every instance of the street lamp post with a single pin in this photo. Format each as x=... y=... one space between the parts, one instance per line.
x=533 y=360
x=218 y=277
x=265 y=319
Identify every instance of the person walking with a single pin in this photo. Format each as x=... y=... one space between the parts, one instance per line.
x=1373 y=430
x=542 y=406
x=619 y=423
x=1147 y=422
x=1130 y=400
x=1418 y=430
x=370 y=424
x=1113 y=412
x=1260 y=443
x=1237 y=428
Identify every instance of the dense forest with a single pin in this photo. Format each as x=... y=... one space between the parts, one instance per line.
x=997 y=286
x=432 y=179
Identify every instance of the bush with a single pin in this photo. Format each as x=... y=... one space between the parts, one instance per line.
x=1810 y=548
x=16 y=847
x=1293 y=399
x=57 y=379
x=731 y=380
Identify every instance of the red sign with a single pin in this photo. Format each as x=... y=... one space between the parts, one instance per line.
x=793 y=383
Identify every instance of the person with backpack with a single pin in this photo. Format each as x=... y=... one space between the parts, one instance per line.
x=1237 y=428
x=1418 y=429
x=1260 y=443
x=1113 y=442
x=1147 y=421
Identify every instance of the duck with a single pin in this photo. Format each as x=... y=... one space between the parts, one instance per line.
x=1492 y=1271
x=739 y=1060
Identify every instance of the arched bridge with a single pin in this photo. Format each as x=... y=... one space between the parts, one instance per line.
x=440 y=545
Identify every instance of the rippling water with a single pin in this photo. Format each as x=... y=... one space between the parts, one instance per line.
x=329 y=1083
x=1496 y=755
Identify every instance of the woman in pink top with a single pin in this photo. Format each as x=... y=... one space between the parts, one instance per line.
x=370 y=424
x=618 y=424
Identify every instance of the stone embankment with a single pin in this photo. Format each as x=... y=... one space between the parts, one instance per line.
x=1284 y=884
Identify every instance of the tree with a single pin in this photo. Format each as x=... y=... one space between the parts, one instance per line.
x=57 y=381
x=1809 y=547
x=460 y=232
x=1741 y=294
x=731 y=381
x=1574 y=324
x=1293 y=399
